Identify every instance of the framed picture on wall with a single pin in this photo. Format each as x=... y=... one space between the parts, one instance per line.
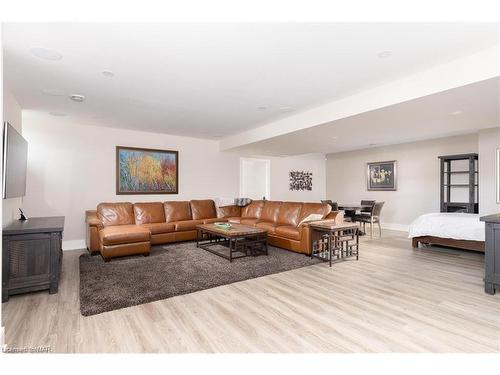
x=146 y=171
x=498 y=175
x=381 y=175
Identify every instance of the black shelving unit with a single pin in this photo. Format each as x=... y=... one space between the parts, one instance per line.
x=471 y=183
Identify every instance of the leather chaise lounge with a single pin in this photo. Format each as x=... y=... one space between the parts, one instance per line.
x=119 y=229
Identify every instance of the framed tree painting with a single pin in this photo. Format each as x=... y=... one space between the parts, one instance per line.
x=146 y=171
x=382 y=175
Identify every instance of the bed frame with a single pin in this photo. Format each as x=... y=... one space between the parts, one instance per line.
x=450 y=242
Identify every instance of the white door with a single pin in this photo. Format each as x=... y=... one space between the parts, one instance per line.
x=255 y=175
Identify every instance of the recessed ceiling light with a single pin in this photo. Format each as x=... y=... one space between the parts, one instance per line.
x=77 y=98
x=261 y=107
x=108 y=73
x=45 y=53
x=53 y=92
x=372 y=144
x=456 y=113
x=384 y=54
x=286 y=109
x=58 y=114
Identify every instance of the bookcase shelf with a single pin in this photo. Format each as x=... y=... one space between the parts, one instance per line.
x=448 y=187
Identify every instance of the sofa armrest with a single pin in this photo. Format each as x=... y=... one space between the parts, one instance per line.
x=92 y=220
x=92 y=225
x=338 y=216
x=228 y=211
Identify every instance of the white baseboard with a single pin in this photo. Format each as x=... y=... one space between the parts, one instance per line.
x=2 y=337
x=394 y=226
x=74 y=245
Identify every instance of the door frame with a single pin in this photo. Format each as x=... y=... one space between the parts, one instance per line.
x=268 y=175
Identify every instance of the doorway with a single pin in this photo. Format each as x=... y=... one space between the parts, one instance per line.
x=255 y=178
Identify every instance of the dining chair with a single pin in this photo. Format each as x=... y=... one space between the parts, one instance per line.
x=367 y=203
x=373 y=217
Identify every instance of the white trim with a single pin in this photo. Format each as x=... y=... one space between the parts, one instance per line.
x=395 y=226
x=74 y=245
x=2 y=336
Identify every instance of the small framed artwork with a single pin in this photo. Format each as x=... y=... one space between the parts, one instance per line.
x=381 y=175
x=146 y=171
x=498 y=175
x=300 y=180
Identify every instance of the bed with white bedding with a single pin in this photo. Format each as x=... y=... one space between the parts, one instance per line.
x=459 y=230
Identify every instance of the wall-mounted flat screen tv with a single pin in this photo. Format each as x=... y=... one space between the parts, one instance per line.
x=14 y=164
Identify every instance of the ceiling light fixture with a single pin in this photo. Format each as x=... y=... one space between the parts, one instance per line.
x=372 y=144
x=77 y=98
x=53 y=92
x=261 y=107
x=286 y=109
x=384 y=54
x=45 y=53
x=108 y=73
x=456 y=113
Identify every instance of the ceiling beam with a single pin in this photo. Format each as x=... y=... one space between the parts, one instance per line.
x=463 y=71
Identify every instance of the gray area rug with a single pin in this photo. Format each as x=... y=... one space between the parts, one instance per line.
x=169 y=271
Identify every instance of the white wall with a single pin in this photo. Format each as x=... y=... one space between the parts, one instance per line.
x=280 y=169
x=418 y=176
x=11 y=114
x=489 y=142
x=71 y=168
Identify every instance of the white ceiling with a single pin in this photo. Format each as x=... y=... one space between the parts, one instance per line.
x=208 y=80
x=457 y=111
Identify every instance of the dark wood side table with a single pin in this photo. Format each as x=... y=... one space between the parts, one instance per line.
x=330 y=240
x=492 y=253
x=32 y=255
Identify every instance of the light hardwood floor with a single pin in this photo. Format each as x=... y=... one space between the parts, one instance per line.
x=394 y=299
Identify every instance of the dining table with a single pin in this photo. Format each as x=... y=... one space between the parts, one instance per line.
x=351 y=208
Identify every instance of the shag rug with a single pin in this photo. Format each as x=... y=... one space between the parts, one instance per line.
x=169 y=271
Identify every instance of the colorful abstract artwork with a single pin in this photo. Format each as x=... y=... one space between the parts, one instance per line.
x=382 y=175
x=146 y=171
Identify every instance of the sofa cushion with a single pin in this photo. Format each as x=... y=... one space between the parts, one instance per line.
x=253 y=210
x=203 y=209
x=267 y=225
x=288 y=231
x=248 y=221
x=314 y=208
x=214 y=220
x=228 y=211
x=159 y=228
x=120 y=213
x=149 y=212
x=177 y=211
x=186 y=225
x=289 y=213
x=270 y=211
x=121 y=234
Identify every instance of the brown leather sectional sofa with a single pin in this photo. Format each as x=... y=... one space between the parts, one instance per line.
x=118 y=229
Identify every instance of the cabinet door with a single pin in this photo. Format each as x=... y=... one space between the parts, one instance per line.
x=29 y=259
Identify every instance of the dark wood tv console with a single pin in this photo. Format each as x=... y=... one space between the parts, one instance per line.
x=492 y=253
x=32 y=255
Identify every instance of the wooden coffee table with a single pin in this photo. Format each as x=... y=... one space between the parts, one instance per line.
x=240 y=240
